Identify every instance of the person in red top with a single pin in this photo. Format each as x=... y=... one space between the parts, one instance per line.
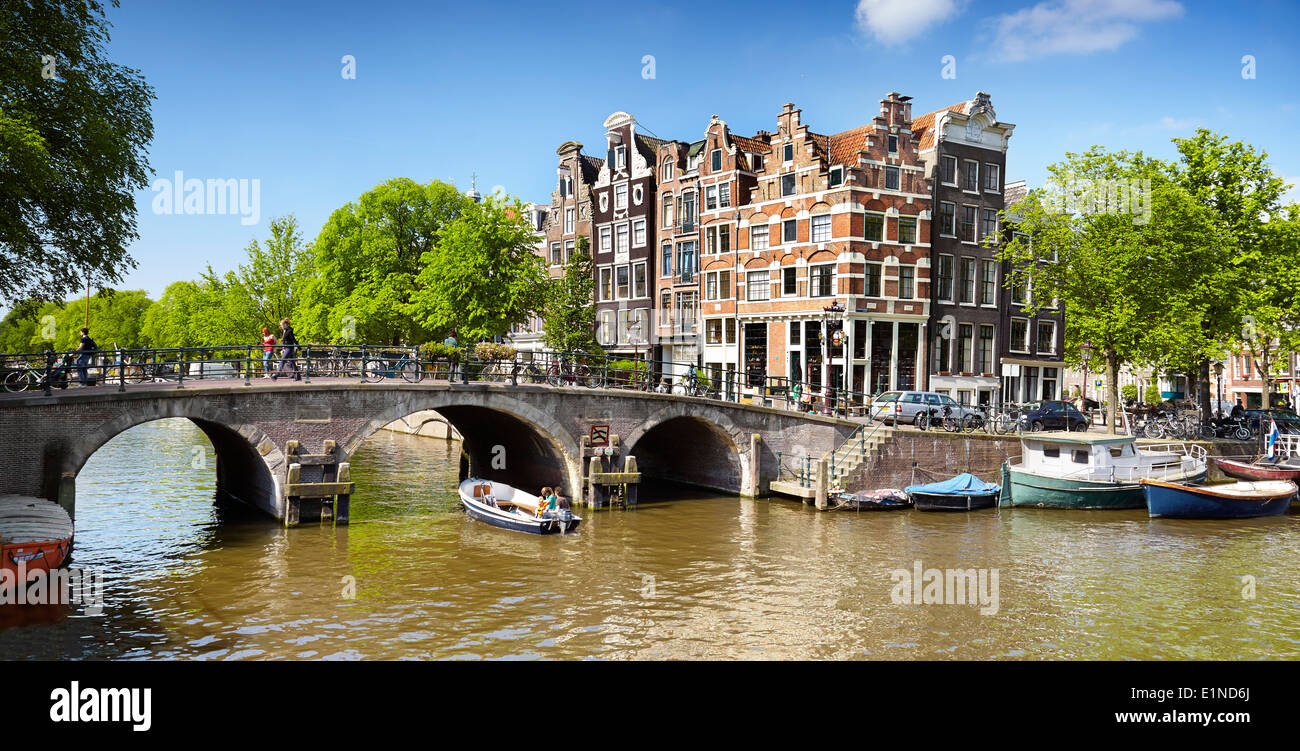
x=268 y=351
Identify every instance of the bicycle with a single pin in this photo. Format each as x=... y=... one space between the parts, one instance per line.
x=562 y=373
x=377 y=369
x=690 y=385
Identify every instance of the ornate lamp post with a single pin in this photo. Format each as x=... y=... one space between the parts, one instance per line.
x=1218 y=379
x=1085 y=354
x=829 y=313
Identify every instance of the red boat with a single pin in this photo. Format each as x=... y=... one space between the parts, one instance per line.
x=1259 y=470
x=33 y=532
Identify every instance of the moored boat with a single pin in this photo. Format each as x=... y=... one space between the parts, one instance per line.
x=504 y=506
x=965 y=492
x=34 y=533
x=1083 y=471
x=1260 y=470
x=1236 y=500
x=887 y=499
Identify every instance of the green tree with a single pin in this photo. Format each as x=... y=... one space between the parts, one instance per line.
x=368 y=257
x=1132 y=288
x=175 y=319
x=569 y=309
x=482 y=276
x=74 y=129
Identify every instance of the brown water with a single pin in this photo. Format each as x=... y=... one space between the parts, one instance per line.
x=693 y=577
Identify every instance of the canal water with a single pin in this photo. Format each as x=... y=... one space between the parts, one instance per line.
x=696 y=576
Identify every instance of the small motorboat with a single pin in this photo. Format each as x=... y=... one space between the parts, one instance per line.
x=507 y=507
x=34 y=533
x=888 y=499
x=1260 y=469
x=1237 y=500
x=965 y=492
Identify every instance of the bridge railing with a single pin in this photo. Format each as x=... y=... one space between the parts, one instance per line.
x=379 y=363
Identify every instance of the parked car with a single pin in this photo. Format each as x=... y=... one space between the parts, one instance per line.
x=902 y=407
x=1053 y=415
x=1287 y=421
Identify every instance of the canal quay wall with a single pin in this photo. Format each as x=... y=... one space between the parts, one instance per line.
x=911 y=457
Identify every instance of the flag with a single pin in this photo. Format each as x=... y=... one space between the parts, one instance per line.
x=1273 y=435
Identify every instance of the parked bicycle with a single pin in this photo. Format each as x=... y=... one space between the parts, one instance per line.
x=379 y=367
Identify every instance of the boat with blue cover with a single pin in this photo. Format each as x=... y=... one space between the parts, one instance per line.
x=965 y=492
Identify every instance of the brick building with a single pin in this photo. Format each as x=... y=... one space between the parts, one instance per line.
x=1031 y=347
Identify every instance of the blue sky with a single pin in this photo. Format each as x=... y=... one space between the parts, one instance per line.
x=254 y=90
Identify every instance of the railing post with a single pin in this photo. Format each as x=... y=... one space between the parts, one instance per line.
x=514 y=369
x=464 y=369
x=121 y=372
x=306 y=368
x=248 y=367
x=180 y=367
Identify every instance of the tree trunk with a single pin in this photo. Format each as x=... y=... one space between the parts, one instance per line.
x=1112 y=390
x=1203 y=390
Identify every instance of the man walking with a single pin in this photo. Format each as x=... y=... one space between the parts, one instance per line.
x=451 y=342
x=289 y=342
x=87 y=350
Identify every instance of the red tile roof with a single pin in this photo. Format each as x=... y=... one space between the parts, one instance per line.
x=844 y=147
x=923 y=126
x=745 y=143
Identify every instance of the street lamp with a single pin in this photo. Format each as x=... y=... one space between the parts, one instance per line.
x=634 y=324
x=1218 y=379
x=1085 y=354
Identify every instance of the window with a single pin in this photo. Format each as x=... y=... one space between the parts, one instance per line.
x=724 y=238
x=621 y=282
x=605 y=244
x=638 y=233
x=757 y=285
x=821 y=228
x=666 y=263
x=906 y=282
x=692 y=162
x=795 y=328
x=836 y=177
x=992 y=178
x=989 y=229
x=568 y=250
x=821 y=280
x=668 y=210
x=944 y=275
x=713 y=331
x=555 y=254
x=688 y=211
x=787 y=152
x=1019 y=334
x=906 y=230
x=873 y=280
x=568 y=221
x=1020 y=290
x=989 y=283
x=606 y=283
x=970 y=177
x=968 y=280
x=724 y=195
x=984 y=358
x=687 y=310
x=965 y=332
x=640 y=287
x=715 y=160
x=620 y=197
x=789 y=281
x=758 y=237
x=875 y=227
x=787 y=185
x=711 y=286
x=564 y=187
x=637 y=195
x=947 y=219
x=893 y=143
x=620 y=157
x=620 y=238
x=948 y=172
x=731 y=331
x=724 y=284
x=686 y=261
x=667 y=172
x=1046 y=337
x=789 y=231
x=891 y=178
x=710 y=198
x=756 y=162
x=665 y=309
x=942 y=362
x=968 y=224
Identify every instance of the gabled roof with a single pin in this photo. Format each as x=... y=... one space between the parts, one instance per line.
x=923 y=126
x=590 y=167
x=842 y=148
x=649 y=146
x=745 y=143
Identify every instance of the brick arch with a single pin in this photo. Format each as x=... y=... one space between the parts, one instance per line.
x=715 y=421
x=822 y=256
x=757 y=263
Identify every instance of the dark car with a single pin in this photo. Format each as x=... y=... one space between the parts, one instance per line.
x=1053 y=415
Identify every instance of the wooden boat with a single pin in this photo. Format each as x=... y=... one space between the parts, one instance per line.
x=1260 y=469
x=888 y=499
x=34 y=532
x=1236 y=500
x=1085 y=471
x=503 y=506
x=965 y=492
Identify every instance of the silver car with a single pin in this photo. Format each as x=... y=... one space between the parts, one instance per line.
x=898 y=407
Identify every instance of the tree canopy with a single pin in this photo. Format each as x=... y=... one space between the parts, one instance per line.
x=569 y=310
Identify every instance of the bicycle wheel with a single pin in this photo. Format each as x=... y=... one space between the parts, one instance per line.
x=972 y=423
x=372 y=371
x=1207 y=432
x=19 y=381
x=1242 y=434
x=584 y=376
x=411 y=371
x=923 y=421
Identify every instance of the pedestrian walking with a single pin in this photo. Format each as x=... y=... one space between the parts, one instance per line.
x=268 y=351
x=289 y=348
x=451 y=343
x=86 y=352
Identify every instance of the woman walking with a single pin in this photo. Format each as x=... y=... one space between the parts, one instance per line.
x=289 y=344
x=268 y=351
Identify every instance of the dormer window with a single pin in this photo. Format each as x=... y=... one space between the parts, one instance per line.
x=836 y=177
x=893 y=143
x=787 y=152
x=755 y=161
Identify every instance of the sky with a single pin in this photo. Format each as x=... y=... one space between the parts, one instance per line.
x=251 y=90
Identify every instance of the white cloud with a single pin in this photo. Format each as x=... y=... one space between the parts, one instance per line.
x=896 y=21
x=1074 y=26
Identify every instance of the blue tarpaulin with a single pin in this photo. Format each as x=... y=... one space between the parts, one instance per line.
x=963 y=484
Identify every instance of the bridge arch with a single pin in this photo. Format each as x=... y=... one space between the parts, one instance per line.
x=716 y=459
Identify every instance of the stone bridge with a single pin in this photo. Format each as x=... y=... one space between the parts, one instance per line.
x=525 y=435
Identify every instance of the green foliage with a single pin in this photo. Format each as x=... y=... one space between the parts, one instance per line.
x=1152 y=395
x=491 y=351
x=482 y=276
x=72 y=151
x=116 y=317
x=438 y=351
x=1129 y=392
x=368 y=258
x=568 y=308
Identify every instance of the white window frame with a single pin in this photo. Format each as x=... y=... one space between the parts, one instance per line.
x=997 y=174
x=968 y=164
x=757 y=232
x=666 y=173
x=1024 y=343
x=620 y=192
x=638 y=231
x=956 y=177
x=825 y=222
x=570 y=217
x=606 y=239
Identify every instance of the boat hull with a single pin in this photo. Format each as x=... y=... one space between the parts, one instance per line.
x=1042 y=491
x=954 y=501
x=35 y=534
x=1172 y=501
x=1251 y=471
x=515 y=522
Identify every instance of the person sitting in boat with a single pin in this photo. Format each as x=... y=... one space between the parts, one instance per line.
x=547 y=504
x=542 y=496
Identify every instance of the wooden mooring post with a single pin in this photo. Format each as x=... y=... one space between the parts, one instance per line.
x=327 y=489
x=603 y=484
